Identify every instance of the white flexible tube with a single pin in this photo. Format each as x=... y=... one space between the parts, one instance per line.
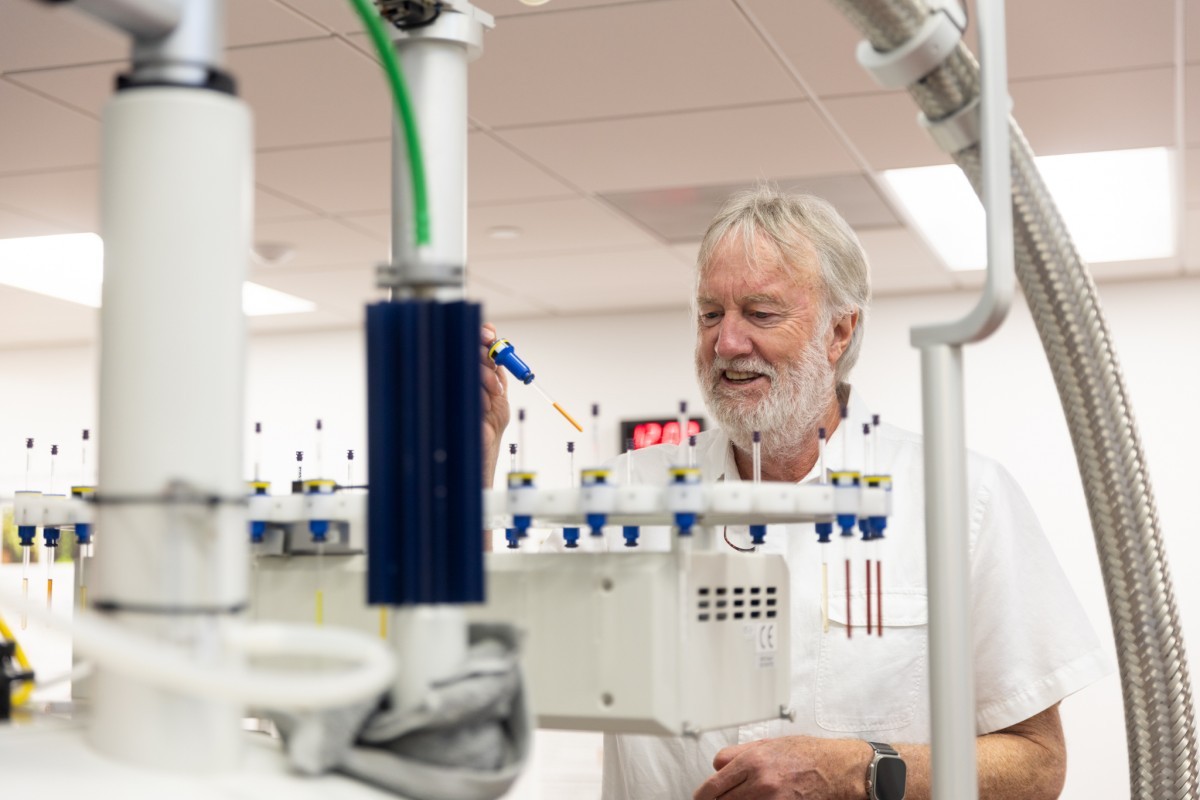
x=115 y=647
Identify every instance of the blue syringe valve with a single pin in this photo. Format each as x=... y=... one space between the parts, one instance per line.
x=512 y=536
x=258 y=529
x=50 y=536
x=758 y=534
x=26 y=533
x=631 y=534
x=83 y=533
x=504 y=354
x=824 y=532
x=571 y=537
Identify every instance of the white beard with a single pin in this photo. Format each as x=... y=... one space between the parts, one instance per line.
x=796 y=402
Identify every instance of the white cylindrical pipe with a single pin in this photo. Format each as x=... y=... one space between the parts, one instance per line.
x=434 y=61
x=951 y=666
x=431 y=644
x=176 y=201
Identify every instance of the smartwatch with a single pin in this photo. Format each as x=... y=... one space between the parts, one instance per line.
x=887 y=773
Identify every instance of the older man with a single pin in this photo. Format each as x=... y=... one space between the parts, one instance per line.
x=782 y=289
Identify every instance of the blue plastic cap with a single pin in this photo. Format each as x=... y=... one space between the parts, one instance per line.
x=506 y=356
x=83 y=532
x=846 y=523
x=596 y=523
x=27 y=533
x=50 y=537
x=521 y=523
x=631 y=533
x=511 y=535
x=824 y=531
x=571 y=537
x=319 y=529
x=257 y=531
x=758 y=534
x=685 y=522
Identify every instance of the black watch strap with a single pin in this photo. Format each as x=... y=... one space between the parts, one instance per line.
x=883 y=749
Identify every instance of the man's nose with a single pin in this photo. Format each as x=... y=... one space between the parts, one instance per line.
x=733 y=339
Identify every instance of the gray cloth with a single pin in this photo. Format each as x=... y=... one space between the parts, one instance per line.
x=467 y=740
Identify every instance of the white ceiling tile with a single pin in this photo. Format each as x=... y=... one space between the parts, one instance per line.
x=497 y=174
x=687 y=149
x=321 y=243
x=335 y=16
x=684 y=213
x=1112 y=35
x=334 y=178
x=68 y=197
x=86 y=88
x=312 y=92
x=622 y=59
x=901 y=262
x=884 y=129
x=568 y=225
x=37 y=35
x=1191 y=28
x=1097 y=112
x=508 y=8
x=262 y=21
x=1191 y=118
x=269 y=207
x=14 y=225
x=39 y=134
x=1062 y=38
x=819 y=41
x=500 y=303
x=686 y=251
x=626 y=279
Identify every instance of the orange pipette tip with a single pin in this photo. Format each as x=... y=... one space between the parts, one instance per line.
x=570 y=419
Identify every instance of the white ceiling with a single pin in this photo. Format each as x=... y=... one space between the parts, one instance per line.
x=603 y=129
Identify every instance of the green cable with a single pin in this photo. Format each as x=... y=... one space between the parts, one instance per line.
x=412 y=140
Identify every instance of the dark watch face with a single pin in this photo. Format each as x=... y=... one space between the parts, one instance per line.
x=889 y=779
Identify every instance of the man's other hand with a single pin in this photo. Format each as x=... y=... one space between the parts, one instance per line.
x=789 y=767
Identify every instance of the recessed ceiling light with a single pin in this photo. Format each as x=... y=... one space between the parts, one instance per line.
x=1116 y=204
x=71 y=267
x=504 y=232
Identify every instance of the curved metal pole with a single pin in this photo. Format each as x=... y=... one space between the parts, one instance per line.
x=946 y=515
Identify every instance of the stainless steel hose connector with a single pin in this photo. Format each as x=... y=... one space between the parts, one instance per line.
x=1163 y=760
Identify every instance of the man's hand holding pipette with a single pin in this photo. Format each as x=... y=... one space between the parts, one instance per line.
x=495 y=404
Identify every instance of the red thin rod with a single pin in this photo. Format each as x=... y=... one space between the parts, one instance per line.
x=849 y=627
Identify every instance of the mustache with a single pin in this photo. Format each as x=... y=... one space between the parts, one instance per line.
x=743 y=364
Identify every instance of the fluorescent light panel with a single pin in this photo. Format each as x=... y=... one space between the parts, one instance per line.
x=1116 y=204
x=71 y=267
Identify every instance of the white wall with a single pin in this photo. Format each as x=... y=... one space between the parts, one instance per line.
x=639 y=365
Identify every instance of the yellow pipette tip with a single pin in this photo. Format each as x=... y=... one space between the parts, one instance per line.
x=570 y=419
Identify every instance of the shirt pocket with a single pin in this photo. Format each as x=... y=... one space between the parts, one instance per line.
x=873 y=683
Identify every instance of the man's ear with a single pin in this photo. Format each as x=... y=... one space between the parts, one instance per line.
x=841 y=333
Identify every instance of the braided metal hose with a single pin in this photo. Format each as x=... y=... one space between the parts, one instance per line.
x=1062 y=298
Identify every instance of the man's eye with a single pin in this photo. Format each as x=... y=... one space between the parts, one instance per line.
x=761 y=315
x=709 y=317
